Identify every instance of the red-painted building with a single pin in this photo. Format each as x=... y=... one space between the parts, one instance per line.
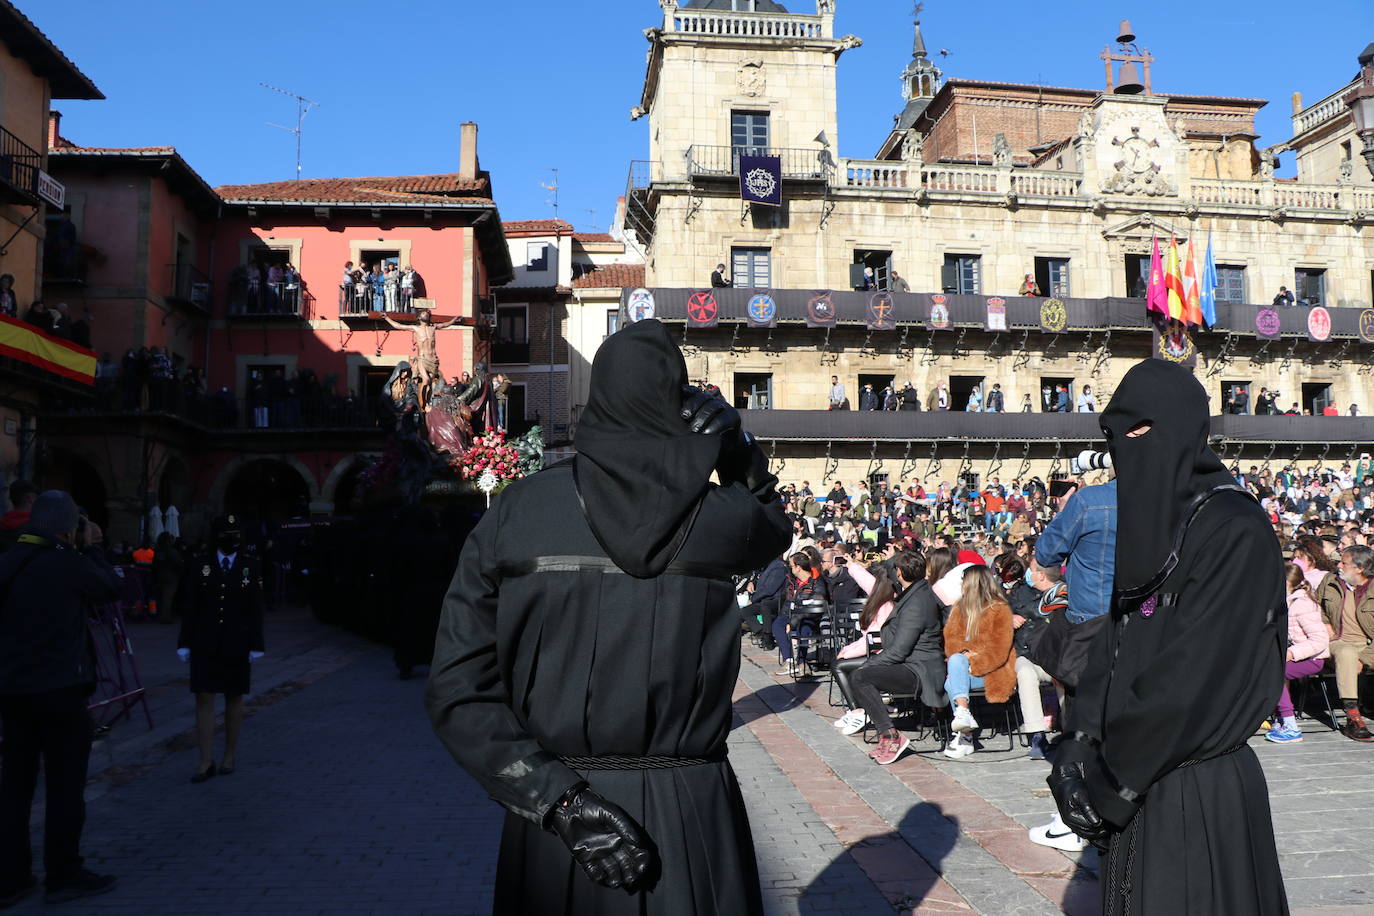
x=244 y=288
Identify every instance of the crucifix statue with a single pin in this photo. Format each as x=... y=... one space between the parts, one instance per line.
x=426 y=354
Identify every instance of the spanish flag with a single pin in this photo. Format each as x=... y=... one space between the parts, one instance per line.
x=1173 y=281
x=1192 y=313
x=22 y=341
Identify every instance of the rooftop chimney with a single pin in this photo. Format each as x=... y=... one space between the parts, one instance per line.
x=54 y=128
x=467 y=151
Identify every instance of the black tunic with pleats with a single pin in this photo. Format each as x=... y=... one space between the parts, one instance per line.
x=546 y=649
x=1174 y=696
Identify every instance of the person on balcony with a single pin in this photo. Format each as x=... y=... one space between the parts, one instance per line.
x=996 y=401
x=9 y=302
x=1284 y=297
x=391 y=286
x=276 y=280
x=1029 y=287
x=407 y=288
x=718 y=278
x=898 y=284
x=376 y=284
x=291 y=289
x=910 y=398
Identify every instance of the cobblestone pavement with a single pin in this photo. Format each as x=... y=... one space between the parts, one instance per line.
x=344 y=802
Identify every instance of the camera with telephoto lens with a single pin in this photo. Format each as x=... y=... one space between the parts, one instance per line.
x=1089 y=460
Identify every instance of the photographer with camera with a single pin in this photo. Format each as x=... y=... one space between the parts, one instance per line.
x=48 y=582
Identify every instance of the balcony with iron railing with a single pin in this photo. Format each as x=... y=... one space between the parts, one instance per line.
x=362 y=300
x=723 y=162
x=190 y=287
x=20 y=165
x=271 y=300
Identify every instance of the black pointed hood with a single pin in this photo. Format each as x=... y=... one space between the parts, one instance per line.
x=640 y=472
x=1160 y=473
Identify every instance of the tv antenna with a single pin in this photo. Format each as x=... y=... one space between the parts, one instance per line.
x=303 y=106
x=595 y=224
x=552 y=188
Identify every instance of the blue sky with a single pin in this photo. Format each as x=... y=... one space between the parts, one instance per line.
x=551 y=83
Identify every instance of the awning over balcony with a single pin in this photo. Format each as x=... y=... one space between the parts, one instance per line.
x=27 y=344
x=1022 y=313
x=900 y=426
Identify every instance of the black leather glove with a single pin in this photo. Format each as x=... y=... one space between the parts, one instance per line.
x=611 y=848
x=1070 y=791
x=707 y=412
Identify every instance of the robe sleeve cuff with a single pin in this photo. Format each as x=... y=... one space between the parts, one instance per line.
x=1114 y=802
x=532 y=785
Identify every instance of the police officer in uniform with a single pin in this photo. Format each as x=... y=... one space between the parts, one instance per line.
x=221 y=634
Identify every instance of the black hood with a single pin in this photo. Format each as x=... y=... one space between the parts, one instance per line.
x=1160 y=473
x=640 y=472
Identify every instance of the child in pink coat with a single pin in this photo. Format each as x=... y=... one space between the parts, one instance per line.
x=1308 y=648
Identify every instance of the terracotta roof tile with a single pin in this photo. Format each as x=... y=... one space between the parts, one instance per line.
x=360 y=190
x=612 y=275
x=593 y=237
x=536 y=225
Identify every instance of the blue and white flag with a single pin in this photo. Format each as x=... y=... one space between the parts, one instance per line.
x=760 y=180
x=1207 y=293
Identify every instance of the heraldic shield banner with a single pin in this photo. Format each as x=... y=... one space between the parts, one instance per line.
x=702 y=309
x=762 y=311
x=760 y=180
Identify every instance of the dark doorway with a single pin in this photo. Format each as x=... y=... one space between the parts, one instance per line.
x=879 y=382
x=880 y=262
x=1052 y=276
x=1049 y=392
x=1137 y=275
x=960 y=387
x=268 y=492
x=65 y=470
x=753 y=390
x=1315 y=396
x=517 y=424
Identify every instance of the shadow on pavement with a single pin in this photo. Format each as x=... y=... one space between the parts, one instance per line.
x=894 y=864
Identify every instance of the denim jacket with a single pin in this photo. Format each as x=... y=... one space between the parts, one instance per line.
x=1084 y=535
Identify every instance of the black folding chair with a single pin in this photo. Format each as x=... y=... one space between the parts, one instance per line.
x=815 y=612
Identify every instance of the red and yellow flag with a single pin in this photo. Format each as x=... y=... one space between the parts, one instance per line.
x=24 y=342
x=1173 y=282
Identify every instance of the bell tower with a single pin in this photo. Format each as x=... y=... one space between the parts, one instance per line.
x=921 y=78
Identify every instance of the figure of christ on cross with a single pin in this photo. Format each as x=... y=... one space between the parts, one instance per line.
x=426 y=354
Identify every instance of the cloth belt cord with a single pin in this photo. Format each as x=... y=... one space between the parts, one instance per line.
x=1232 y=750
x=625 y=762
x=606 y=565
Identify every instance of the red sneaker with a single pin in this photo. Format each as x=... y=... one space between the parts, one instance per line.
x=896 y=747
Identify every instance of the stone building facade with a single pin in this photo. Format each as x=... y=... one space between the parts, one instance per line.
x=979 y=185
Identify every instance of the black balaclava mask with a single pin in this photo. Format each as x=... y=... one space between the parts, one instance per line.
x=227 y=542
x=1159 y=473
x=640 y=471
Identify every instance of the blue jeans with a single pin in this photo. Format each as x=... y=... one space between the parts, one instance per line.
x=501 y=412
x=806 y=627
x=958 y=680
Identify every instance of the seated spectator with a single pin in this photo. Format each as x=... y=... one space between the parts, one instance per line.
x=766 y=593
x=843 y=586
x=804 y=583
x=979 y=652
x=910 y=660
x=1309 y=645
x=876 y=611
x=1347 y=605
x=1051 y=597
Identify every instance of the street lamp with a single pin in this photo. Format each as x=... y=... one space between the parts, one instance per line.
x=1361 y=103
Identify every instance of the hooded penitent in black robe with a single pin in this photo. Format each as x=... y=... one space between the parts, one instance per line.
x=563 y=639
x=1191 y=666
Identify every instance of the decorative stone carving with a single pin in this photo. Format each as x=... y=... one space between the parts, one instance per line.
x=911 y=146
x=1346 y=171
x=848 y=42
x=752 y=77
x=1268 y=162
x=636 y=113
x=824 y=7
x=1085 y=125
x=1001 y=150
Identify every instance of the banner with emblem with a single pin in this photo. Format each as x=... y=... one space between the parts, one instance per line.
x=1319 y=325
x=1367 y=326
x=640 y=305
x=1268 y=324
x=881 y=313
x=997 y=314
x=1054 y=317
x=760 y=180
x=937 y=313
x=1174 y=342
x=820 y=309
x=762 y=311
x=702 y=309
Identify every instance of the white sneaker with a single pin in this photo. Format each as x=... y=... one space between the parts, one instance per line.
x=857 y=723
x=840 y=722
x=959 y=747
x=1057 y=835
x=963 y=720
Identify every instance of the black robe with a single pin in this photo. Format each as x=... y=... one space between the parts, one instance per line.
x=547 y=649
x=1174 y=697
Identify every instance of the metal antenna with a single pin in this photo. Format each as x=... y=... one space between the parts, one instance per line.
x=552 y=187
x=595 y=224
x=303 y=106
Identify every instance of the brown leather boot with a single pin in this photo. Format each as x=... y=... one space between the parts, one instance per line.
x=1355 y=728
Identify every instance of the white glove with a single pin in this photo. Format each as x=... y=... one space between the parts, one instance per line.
x=184 y=654
x=254 y=656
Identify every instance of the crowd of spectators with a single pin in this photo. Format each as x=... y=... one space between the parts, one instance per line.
x=256 y=288
x=379 y=287
x=981 y=399
x=57 y=320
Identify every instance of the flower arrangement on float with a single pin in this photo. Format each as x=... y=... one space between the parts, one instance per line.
x=489 y=452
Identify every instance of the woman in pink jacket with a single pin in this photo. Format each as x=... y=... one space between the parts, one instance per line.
x=875 y=613
x=1308 y=648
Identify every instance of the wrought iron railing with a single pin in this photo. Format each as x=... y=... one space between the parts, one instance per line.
x=19 y=166
x=723 y=161
x=189 y=285
x=360 y=299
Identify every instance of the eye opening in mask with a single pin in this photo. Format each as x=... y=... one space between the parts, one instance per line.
x=1140 y=429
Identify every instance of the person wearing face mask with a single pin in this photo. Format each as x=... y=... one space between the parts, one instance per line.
x=1159 y=770
x=221 y=635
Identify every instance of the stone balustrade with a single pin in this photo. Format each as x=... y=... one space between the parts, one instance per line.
x=1232 y=193
x=1308 y=197
x=746 y=25
x=875 y=173
x=1333 y=106
x=1047 y=184
x=961 y=178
